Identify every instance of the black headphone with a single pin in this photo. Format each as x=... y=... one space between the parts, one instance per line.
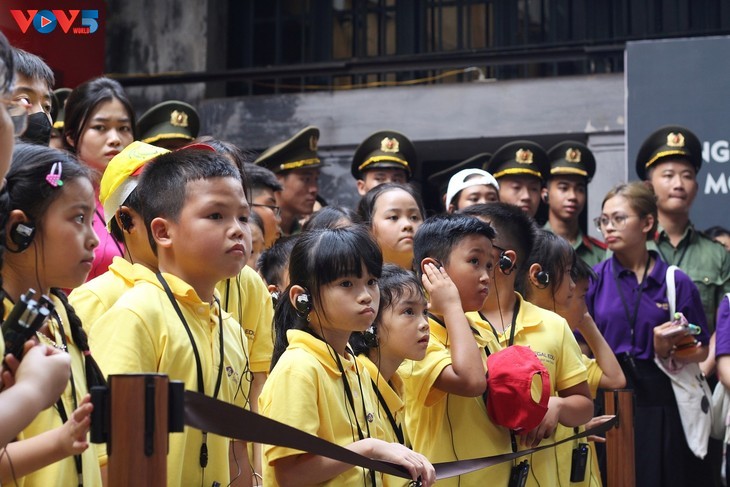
x=303 y=304
x=125 y=220
x=505 y=263
x=22 y=235
x=543 y=279
x=545 y=198
x=371 y=337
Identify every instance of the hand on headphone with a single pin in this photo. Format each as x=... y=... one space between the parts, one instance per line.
x=441 y=289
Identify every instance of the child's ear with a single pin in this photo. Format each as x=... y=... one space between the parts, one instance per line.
x=532 y=273
x=160 y=229
x=429 y=260
x=294 y=292
x=451 y=209
x=70 y=141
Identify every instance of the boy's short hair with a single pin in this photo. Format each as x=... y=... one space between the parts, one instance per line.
x=33 y=67
x=7 y=65
x=583 y=272
x=164 y=181
x=515 y=228
x=438 y=236
x=258 y=178
x=275 y=259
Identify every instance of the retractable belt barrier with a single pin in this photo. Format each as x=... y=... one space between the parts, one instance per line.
x=213 y=416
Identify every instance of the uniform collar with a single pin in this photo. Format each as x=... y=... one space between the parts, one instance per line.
x=581 y=238
x=320 y=350
x=439 y=333
x=389 y=392
x=656 y=274
x=689 y=232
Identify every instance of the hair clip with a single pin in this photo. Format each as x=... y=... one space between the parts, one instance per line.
x=54 y=176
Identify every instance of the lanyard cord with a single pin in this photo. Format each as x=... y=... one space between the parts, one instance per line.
x=631 y=318
x=198 y=364
x=397 y=429
x=59 y=404
x=351 y=400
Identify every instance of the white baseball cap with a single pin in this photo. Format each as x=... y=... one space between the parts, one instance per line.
x=467 y=178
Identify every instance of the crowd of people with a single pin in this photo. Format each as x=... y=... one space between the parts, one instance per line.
x=164 y=251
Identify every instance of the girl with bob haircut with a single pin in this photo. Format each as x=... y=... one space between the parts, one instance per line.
x=628 y=300
x=400 y=332
x=315 y=383
x=46 y=209
x=393 y=212
x=99 y=124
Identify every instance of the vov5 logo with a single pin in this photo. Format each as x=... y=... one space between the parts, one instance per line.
x=46 y=21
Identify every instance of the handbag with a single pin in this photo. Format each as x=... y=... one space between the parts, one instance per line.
x=690 y=388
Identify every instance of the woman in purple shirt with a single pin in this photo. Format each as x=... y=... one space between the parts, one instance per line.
x=629 y=303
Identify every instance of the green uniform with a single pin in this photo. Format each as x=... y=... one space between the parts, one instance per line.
x=703 y=260
x=592 y=251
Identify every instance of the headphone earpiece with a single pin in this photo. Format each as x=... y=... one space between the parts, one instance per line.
x=545 y=198
x=505 y=263
x=543 y=279
x=371 y=337
x=22 y=235
x=303 y=304
x=125 y=220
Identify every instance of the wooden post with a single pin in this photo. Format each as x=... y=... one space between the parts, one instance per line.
x=138 y=436
x=620 y=440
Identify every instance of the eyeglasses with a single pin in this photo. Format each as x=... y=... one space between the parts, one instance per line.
x=18 y=114
x=617 y=221
x=275 y=209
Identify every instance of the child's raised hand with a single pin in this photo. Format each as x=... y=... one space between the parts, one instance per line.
x=416 y=464
x=46 y=370
x=72 y=435
x=441 y=289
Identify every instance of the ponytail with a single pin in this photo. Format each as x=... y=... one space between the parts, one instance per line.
x=94 y=375
x=285 y=318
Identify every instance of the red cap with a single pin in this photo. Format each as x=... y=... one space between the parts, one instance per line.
x=509 y=388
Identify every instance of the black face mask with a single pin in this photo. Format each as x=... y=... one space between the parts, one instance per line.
x=39 y=129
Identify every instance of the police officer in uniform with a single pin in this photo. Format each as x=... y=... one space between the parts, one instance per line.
x=521 y=167
x=669 y=159
x=171 y=125
x=386 y=156
x=572 y=166
x=296 y=165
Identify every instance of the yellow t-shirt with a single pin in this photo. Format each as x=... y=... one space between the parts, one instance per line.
x=249 y=301
x=550 y=337
x=93 y=298
x=143 y=333
x=62 y=473
x=305 y=390
x=446 y=427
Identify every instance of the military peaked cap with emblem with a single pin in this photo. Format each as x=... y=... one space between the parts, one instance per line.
x=440 y=180
x=572 y=158
x=59 y=107
x=519 y=158
x=298 y=152
x=168 y=120
x=669 y=141
x=384 y=149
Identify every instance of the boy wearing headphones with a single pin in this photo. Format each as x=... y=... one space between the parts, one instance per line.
x=173 y=322
x=513 y=321
x=446 y=417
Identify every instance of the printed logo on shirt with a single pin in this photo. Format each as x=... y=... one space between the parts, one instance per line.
x=664 y=306
x=249 y=333
x=546 y=358
x=232 y=374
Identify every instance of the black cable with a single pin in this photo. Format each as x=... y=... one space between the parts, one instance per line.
x=10 y=462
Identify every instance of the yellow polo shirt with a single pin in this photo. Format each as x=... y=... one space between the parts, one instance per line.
x=550 y=337
x=247 y=298
x=93 y=298
x=61 y=473
x=305 y=390
x=143 y=333
x=446 y=427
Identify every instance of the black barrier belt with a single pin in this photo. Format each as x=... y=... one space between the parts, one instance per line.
x=224 y=419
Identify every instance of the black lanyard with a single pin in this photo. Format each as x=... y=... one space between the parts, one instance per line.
x=198 y=363
x=59 y=404
x=397 y=429
x=629 y=317
x=351 y=400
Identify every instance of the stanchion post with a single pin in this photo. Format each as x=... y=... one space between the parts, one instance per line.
x=138 y=433
x=620 y=439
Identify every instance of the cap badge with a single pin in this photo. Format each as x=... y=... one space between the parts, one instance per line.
x=523 y=156
x=313 y=143
x=572 y=155
x=178 y=119
x=675 y=140
x=389 y=144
